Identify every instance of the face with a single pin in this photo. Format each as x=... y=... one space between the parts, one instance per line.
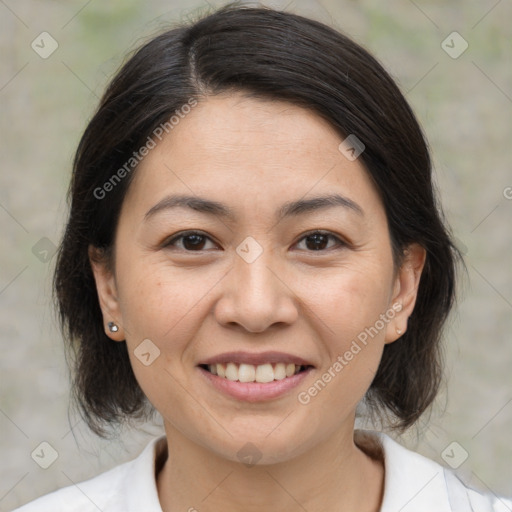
x=256 y=311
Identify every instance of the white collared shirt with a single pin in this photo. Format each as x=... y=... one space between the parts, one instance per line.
x=413 y=483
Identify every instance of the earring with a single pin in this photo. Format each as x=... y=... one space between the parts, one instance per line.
x=113 y=327
x=399 y=331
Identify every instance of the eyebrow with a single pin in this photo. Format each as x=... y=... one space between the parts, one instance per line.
x=289 y=209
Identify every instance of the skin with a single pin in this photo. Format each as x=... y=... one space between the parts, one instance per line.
x=255 y=155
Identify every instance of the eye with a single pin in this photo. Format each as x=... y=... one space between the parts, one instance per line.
x=190 y=241
x=195 y=241
x=319 y=240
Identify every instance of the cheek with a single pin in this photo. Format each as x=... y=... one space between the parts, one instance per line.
x=351 y=313
x=160 y=304
x=151 y=295
x=349 y=300
x=164 y=303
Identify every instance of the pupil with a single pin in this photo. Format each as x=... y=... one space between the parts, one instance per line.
x=194 y=241
x=319 y=241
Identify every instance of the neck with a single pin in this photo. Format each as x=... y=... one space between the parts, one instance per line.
x=335 y=475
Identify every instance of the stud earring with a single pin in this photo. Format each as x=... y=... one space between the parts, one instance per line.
x=113 y=327
x=399 y=332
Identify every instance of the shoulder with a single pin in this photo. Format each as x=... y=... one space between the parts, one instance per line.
x=126 y=487
x=474 y=500
x=414 y=483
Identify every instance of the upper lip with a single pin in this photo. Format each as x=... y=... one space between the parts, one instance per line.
x=255 y=358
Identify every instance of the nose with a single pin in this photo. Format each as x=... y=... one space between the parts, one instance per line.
x=256 y=296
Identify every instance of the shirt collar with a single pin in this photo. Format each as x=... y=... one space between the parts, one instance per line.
x=412 y=482
x=140 y=480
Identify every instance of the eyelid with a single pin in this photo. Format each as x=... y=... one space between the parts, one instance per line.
x=182 y=234
x=341 y=241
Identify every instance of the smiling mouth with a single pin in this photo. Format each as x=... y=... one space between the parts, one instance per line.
x=262 y=373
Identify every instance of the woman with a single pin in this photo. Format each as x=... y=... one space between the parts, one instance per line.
x=254 y=249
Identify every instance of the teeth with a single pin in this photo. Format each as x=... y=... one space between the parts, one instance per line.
x=231 y=372
x=264 y=373
x=250 y=373
x=280 y=371
x=246 y=373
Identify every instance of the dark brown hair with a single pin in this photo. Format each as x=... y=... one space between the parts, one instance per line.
x=272 y=55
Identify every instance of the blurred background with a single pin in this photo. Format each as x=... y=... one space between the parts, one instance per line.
x=451 y=59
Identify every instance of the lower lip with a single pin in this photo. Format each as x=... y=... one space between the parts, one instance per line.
x=255 y=391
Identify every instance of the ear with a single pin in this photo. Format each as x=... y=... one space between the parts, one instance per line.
x=405 y=290
x=107 y=293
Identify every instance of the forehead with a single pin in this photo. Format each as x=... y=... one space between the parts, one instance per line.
x=238 y=149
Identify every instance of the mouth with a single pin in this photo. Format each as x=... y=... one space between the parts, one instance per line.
x=255 y=377
x=261 y=373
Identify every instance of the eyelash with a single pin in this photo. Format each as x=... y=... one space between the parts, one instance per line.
x=340 y=243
